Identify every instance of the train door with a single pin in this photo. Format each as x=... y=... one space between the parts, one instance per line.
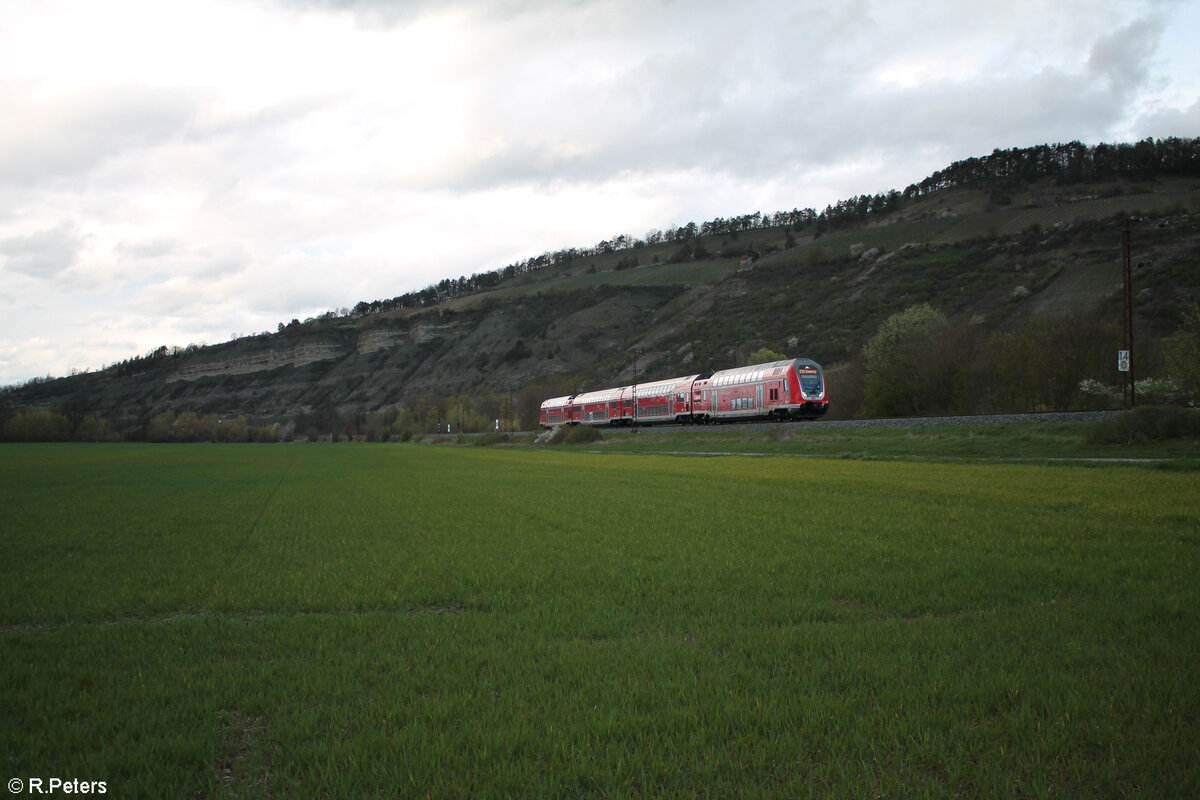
x=681 y=403
x=758 y=396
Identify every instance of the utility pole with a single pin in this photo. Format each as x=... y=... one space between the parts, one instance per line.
x=1125 y=357
x=635 y=352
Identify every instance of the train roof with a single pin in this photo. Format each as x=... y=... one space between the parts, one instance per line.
x=602 y=396
x=659 y=387
x=642 y=389
x=771 y=365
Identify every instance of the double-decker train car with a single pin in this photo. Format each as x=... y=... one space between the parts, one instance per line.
x=790 y=389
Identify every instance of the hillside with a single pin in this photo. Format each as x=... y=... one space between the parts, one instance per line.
x=1041 y=251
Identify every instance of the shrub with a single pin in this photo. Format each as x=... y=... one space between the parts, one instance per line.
x=1146 y=424
x=1159 y=391
x=581 y=434
x=490 y=438
x=1096 y=395
x=556 y=436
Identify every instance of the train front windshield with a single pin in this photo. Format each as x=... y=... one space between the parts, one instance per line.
x=810 y=380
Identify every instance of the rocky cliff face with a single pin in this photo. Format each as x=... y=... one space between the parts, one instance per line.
x=272 y=356
x=368 y=363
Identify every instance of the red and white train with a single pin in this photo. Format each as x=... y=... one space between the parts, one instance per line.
x=793 y=389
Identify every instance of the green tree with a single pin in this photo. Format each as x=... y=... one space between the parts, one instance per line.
x=37 y=425
x=161 y=428
x=92 y=429
x=907 y=369
x=232 y=430
x=765 y=356
x=1182 y=355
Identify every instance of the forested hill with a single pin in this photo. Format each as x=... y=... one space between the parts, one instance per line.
x=1006 y=269
x=1001 y=175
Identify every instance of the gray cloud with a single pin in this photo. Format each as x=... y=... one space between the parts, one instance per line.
x=43 y=254
x=1168 y=119
x=79 y=132
x=1122 y=58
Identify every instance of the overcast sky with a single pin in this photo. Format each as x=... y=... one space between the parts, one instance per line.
x=176 y=173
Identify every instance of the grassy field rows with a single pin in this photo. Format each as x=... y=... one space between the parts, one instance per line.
x=1034 y=442
x=339 y=620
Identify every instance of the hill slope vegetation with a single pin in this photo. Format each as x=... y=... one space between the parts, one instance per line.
x=1019 y=261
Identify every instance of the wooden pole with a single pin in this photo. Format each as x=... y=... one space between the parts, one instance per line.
x=1127 y=314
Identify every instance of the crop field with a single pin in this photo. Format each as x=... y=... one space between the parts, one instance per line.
x=1046 y=442
x=435 y=621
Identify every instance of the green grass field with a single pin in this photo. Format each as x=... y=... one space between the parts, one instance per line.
x=351 y=621
x=1042 y=442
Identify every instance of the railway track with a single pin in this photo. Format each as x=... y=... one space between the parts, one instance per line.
x=895 y=422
